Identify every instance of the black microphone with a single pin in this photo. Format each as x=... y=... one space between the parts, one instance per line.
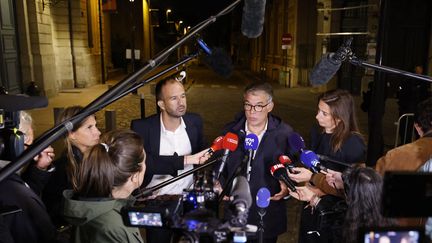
x=253 y=18
x=326 y=158
x=217 y=59
x=329 y=64
x=241 y=202
x=279 y=172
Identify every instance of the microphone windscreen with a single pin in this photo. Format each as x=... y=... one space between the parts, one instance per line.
x=285 y=160
x=220 y=62
x=309 y=159
x=253 y=18
x=21 y=102
x=324 y=70
x=217 y=144
x=251 y=142
x=263 y=197
x=296 y=141
x=230 y=141
x=241 y=191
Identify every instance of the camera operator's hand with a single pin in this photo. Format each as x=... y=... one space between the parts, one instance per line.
x=45 y=158
x=300 y=174
x=283 y=192
x=198 y=158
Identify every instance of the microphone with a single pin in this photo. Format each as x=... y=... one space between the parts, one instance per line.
x=12 y=103
x=310 y=160
x=326 y=158
x=229 y=143
x=241 y=202
x=217 y=59
x=216 y=146
x=278 y=171
x=287 y=162
x=329 y=64
x=253 y=18
x=250 y=144
x=296 y=142
x=262 y=201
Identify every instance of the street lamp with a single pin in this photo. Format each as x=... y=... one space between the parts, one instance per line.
x=168 y=13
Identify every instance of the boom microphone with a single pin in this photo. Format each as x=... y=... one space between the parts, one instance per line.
x=229 y=143
x=329 y=64
x=21 y=102
x=217 y=59
x=326 y=158
x=278 y=171
x=310 y=160
x=253 y=18
x=251 y=145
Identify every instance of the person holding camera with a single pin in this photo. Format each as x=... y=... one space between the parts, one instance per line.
x=110 y=171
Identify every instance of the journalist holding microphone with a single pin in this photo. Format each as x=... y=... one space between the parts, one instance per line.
x=338 y=139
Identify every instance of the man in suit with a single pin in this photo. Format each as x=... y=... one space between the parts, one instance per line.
x=272 y=134
x=174 y=142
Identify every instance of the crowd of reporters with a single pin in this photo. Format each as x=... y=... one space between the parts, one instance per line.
x=78 y=197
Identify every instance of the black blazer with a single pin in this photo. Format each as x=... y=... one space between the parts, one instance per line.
x=149 y=130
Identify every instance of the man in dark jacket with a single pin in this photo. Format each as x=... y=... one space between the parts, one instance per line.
x=272 y=134
x=173 y=141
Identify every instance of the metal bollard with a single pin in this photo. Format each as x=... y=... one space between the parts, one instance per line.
x=142 y=106
x=110 y=120
x=57 y=111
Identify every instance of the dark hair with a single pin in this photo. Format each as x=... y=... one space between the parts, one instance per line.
x=73 y=164
x=106 y=167
x=363 y=187
x=161 y=84
x=259 y=86
x=342 y=108
x=423 y=115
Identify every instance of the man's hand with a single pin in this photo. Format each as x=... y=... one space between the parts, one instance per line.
x=303 y=193
x=283 y=193
x=45 y=158
x=300 y=174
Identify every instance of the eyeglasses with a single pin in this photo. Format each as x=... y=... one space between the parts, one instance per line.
x=258 y=108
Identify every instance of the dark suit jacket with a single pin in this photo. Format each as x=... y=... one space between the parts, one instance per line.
x=149 y=130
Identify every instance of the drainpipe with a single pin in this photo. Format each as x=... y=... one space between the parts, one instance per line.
x=101 y=44
x=71 y=42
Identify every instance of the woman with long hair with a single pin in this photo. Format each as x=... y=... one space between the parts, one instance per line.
x=82 y=137
x=338 y=138
x=363 y=189
x=109 y=173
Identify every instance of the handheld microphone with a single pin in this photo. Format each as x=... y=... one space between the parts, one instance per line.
x=262 y=201
x=217 y=59
x=296 y=142
x=278 y=171
x=250 y=144
x=253 y=18
x=329 y=64
x=326 y=158
x=310 y=160
x=241 y=202
x=287 y=162
x=216 y=146
x=229 y=143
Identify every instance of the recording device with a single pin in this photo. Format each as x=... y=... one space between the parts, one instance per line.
x=217 y=59
x=253 y=18
x=310 y=160
x=296 y=142
x=11 y=139
x=216 y=146
x=392 y=234
x=229 y=143
x=330 y=63
x=250 y=144
x=278 y=171
x=241 y=201
x=407 y=194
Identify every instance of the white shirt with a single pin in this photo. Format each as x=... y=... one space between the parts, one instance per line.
x=170 y=143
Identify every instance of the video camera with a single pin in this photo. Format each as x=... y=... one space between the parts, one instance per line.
x=193 y=214
x=11 y=139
